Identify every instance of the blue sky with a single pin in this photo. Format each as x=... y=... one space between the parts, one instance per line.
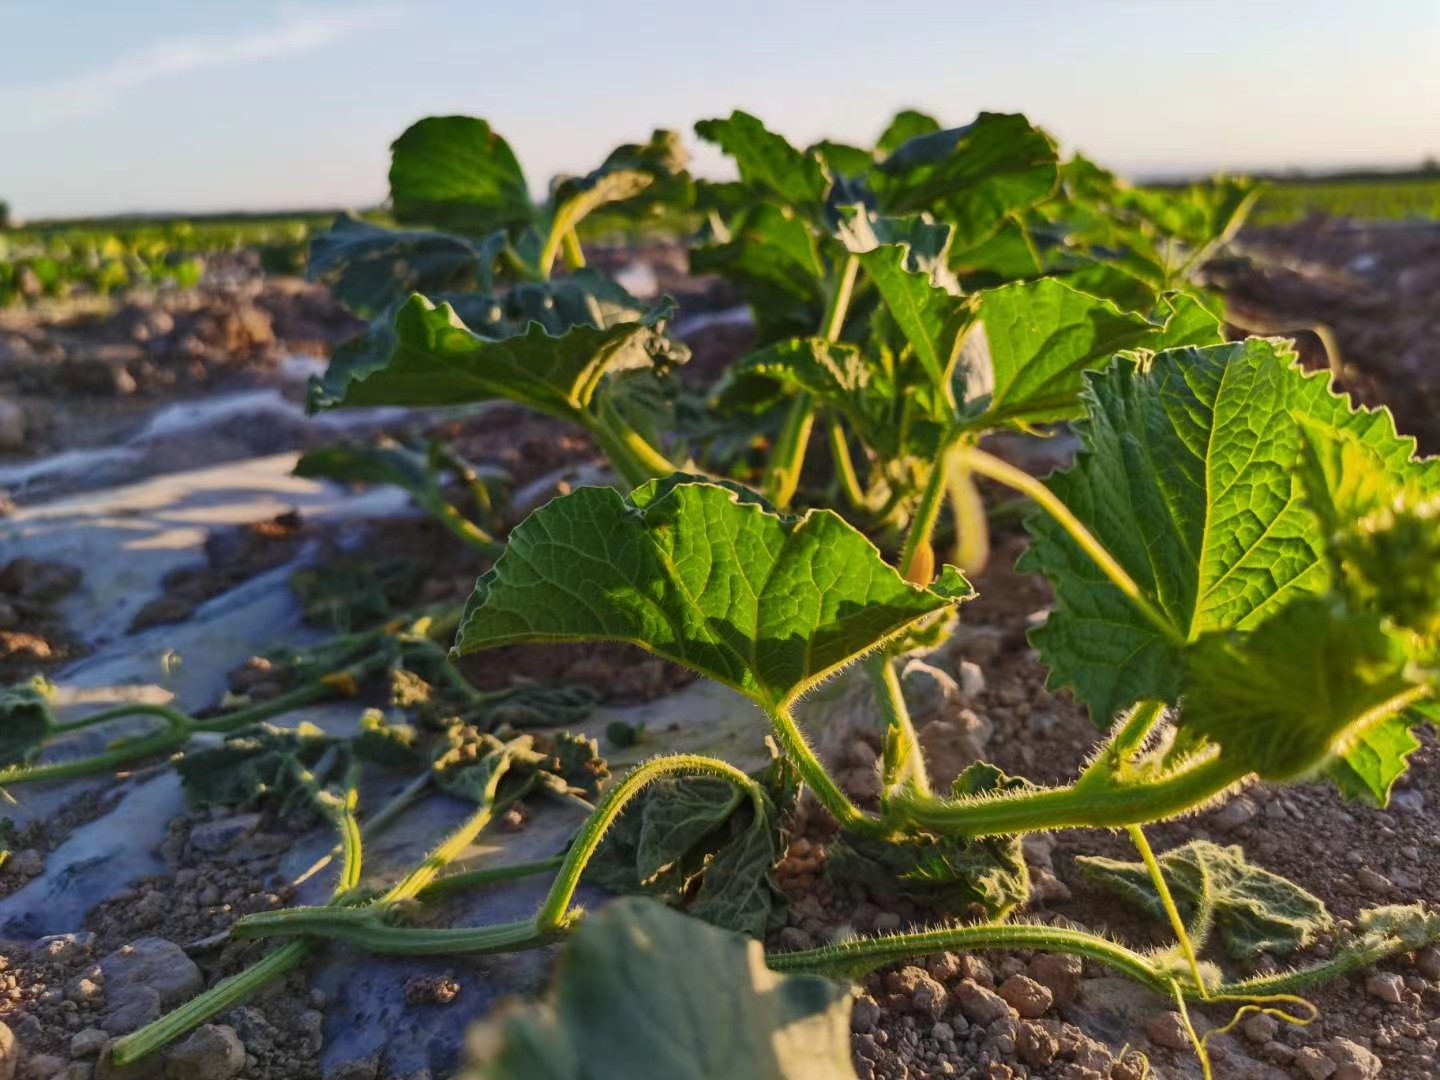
x=176 y=105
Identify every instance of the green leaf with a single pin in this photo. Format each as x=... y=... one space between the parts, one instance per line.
x=264 y=766
x=767 y=161
x=1375 y=759
x=1188 y=478
x=1042 y=337
x=908 y=124
x=428 y=356
x=25 y=722
x=1299 y=689
x=1255 y=911
x=455 y=173
x=774 y=260
x=632 y=178
x=369 y=268
x=971 y=177
x=386 y=463
x=648 y=994
x=538 y=706
x=766 y=604
x=904 y=259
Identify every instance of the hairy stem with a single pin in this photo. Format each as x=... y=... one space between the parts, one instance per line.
x=904 y=760
x=986 y=464
x=1095 y=805
x=554 y=912
x=1127 y=739
x=922 y=525
x=972 y=529
x=795 y=746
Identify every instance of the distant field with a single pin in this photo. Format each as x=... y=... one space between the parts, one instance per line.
x=1371 y=200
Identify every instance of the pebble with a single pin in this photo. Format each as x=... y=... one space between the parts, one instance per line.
x=219 y=836
x=12 y=426
x=1167 y=1029
x=1427 y=962
x=1386 y=986
x=972 y=679
x=64 y=948
x=1314 y=1064
x=1059 y=973
x=88 y=1043
x=1235 y=814
x=43 y=1066
x=155 y=963
x=1409 y=801
x=864 y=1015
x=27 y=864
x=137 y=1008
x=1351 y=1060
x=212 y=1052
x=1260 y=1028
x=1372 y=882
x=1026 y=996
x=1035 y=1045
x=9 y=1052
x=980 y=1006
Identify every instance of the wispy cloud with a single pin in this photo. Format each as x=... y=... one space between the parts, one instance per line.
x=36 y=106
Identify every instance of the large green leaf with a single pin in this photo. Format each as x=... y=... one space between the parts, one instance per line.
x=1188 y=477
x=369 y=268
x=907 y=124
x=1255 y=911
x=648 y=994
x=1042 y=336
x=767 y=161
x=427 y=355
x=766 y=604
x=1286 y=697
x=456 y=173
x=971 y=177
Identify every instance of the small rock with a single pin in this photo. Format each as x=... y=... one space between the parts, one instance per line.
x=212 y=1052
x=981 y=1006
x=1035 y=1045
x=1352 y=1061
x=1409 y=801
x=1427 y=962
x=137 y=1008
x=9 y=1052
x=972 y=679
x=88 y=1043
x=942 y=1032
x=64 y=948
x=1234 y=814
x=1059 y=973
x=922 y=994
x=1026 y=996
x=930 y=692
x=1260 y=1028
x=84 y=991
x=219 y=836
x=1046 y=888
x=43 y=1066
x=1314 y=1064
x=155 y=963
x=1386 y=986
x=1371 y=881
x=1167 y=1029
x=78 y=1070
x=864 y=1015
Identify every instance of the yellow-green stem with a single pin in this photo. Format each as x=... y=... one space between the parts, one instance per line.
x=987 y=464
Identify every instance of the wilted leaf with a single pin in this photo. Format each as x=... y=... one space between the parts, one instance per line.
x=259 y=767
x=1255 y=911
x=25 y=722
